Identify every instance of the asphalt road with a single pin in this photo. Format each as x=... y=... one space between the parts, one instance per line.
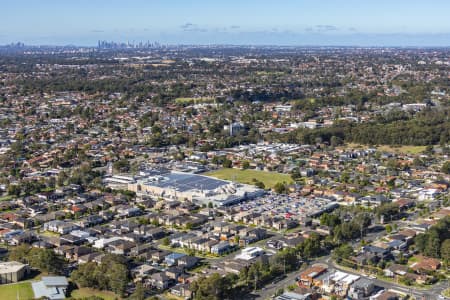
x=270 y=289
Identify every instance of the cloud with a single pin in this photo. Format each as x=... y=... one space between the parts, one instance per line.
x=325 y=28
x=226 y=29
x=187 y=25
x=321 y=28
x=192 y=28
x=220 y=29
x=97 y=30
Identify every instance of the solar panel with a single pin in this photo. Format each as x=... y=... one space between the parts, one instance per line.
x=186 y=182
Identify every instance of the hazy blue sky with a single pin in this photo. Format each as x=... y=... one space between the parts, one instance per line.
x=285 y=22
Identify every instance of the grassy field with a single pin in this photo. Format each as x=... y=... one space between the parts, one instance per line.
x=403 y=149
x=387 y=148
x=192 y=100
x=10 y=291
x=246 y=176
x=87 y=292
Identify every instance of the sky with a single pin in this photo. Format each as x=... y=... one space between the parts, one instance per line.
x=248 y=22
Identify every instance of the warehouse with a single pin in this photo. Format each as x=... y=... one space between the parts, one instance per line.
x=12 y=271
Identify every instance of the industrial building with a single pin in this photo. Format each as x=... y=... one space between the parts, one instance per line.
x=12 y=271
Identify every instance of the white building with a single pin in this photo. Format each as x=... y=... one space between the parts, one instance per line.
x=250 y=253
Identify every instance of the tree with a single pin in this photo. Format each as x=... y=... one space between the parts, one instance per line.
x=330 y=220
x=19 y=253
x=118 y=278
x=243 y=274
x=420 y=241
x=295 y=174
x=433 y=246
x=46 y=260
x=431 y=242
x=111 y=274
x=245 y=165
x=388 y=228
x=388 y=210
x=445 y=252
x=139 y=292
x=279 y=188
x=345 y=177
x=84 y=276
x=156 y=129
x=260 y=184
x=14 y=190
x=254 y=275
x=286 y=259
x=166 y=241
x=311 y=247
x=446 y=167
x=335 y=141
x=344 y=251
x=62 y=177
x=122 y=165
x=227 y=163
x=214 y=287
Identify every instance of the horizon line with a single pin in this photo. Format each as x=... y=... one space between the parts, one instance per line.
x=12 y=44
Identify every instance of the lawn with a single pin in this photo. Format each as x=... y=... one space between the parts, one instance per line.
x=188 y=100
x=88 y=292
x=49 y=233
x=6 y=198
x=246 y=176
x=21 y=291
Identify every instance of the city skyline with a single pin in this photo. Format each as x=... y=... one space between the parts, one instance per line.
x=346 y=23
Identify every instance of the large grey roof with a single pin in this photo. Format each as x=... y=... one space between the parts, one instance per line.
x=184 y=182
x=11 y=267
x=52 y=287
x=55 y=280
